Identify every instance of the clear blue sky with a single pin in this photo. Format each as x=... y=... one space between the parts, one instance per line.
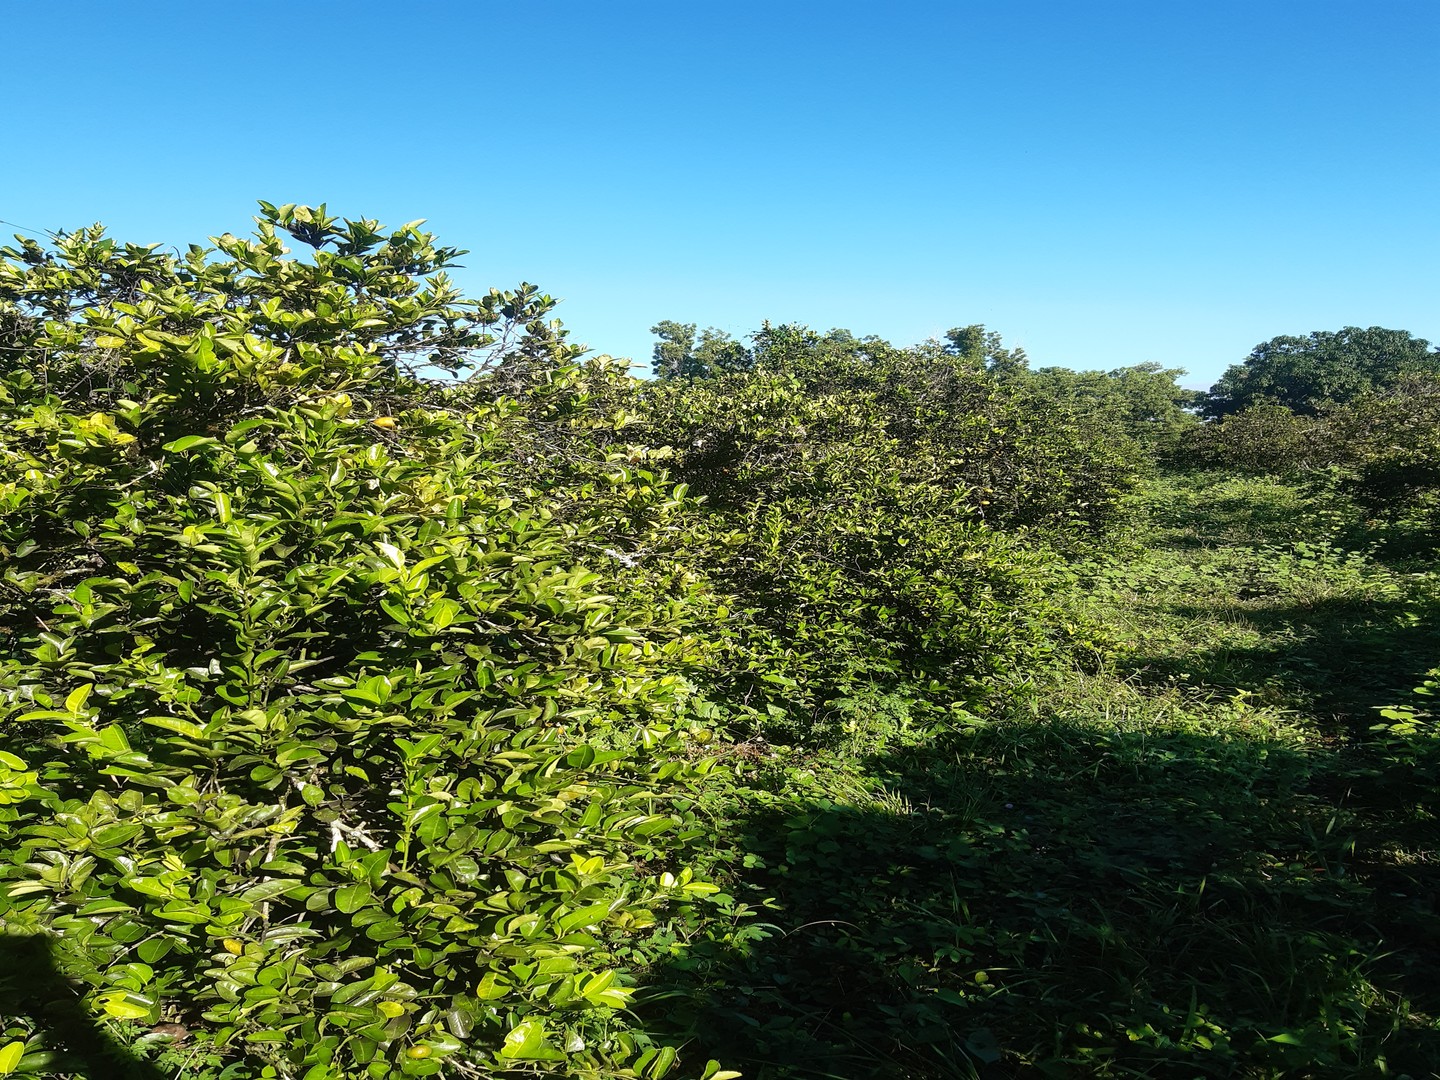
x=1104 y=183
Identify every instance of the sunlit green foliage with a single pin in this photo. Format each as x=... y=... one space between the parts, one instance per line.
x=389 y=690
x=1380 y=450
x=1324 y=368
x=1187 y=855
x=354 y=720
x=854 y=490
x=343 y=730
x=1144 y=402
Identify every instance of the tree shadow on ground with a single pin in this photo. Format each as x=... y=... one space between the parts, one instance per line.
x=1340 y=658
x=67 y=1041
x=1051 y=898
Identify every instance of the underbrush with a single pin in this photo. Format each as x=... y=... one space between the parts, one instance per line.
x=853 y=714
x=358 y=723
x=1185 y=855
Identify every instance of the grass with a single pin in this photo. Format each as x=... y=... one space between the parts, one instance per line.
x=1186 y=856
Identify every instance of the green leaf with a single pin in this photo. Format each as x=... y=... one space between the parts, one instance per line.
x=124 y=1005
x=443 y=612
x=187 y=728
x=153 y=949
x=526 y=1042
x=76 y=699
x=189 y=442
x=491 y=987
x=114 y=738
x=268 y=890
x=585 y=916
x=351 y=898
x=662 y=1064
x=10 y=1055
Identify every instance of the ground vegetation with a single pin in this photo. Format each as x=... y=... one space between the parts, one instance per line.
x=391 y=688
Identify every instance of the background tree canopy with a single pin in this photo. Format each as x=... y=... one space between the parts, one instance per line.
x=1304 y=374
x=678 y=355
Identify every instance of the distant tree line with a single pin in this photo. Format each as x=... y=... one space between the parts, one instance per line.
x=1357 y=409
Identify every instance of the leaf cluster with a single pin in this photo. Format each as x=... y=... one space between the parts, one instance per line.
x=337 y=726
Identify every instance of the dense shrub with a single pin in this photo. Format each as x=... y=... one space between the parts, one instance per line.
x=854 y=574
x=1389 y=446
x=354 y=718
x=1380 y=451
x=1408 y=743
x=1262 y=440
x=1145 y=402
x=338 y=728
x=1021 y=455
x=855 y=490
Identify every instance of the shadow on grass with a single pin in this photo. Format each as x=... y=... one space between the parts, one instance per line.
x=1054 y=899
x=1342 y=658
x=33 y=988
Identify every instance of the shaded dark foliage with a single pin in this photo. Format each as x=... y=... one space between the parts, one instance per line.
x=1188 y=908
x=33 y=989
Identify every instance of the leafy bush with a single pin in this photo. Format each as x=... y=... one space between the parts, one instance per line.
x=1408 y=742
x=1378 y=453
x=1262 y=440
x=1021 y=455
x=358 y=721
x=1145 y=402
x=853 y=490
x=1389 y=446
x=336 y=725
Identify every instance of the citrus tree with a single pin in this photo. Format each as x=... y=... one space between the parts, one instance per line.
x=339 y=726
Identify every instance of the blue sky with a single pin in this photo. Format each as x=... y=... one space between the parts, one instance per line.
x=1104 y=183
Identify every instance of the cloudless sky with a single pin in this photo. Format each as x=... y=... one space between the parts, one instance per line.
x=1104 y=183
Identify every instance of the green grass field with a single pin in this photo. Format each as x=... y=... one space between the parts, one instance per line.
x=1189 y=856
